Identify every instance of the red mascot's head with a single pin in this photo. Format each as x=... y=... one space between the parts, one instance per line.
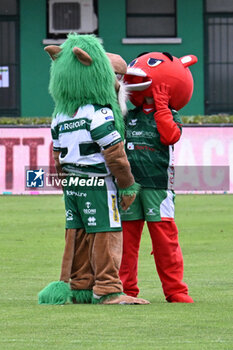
x=153 y=68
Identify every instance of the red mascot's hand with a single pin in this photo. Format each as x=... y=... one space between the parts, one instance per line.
x=161 y=95
x=166 y=126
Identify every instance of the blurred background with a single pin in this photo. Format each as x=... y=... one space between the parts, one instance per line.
x=127 y=27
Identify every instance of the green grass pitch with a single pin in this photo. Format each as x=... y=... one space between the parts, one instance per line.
x=31 y=247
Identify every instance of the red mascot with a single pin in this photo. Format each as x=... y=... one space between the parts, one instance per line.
x=159 y=84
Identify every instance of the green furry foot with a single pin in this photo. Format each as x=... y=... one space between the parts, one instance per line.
x=55 y=293
x=82 y=296
x=104 y=297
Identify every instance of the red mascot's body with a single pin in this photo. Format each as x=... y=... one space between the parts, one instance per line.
x=159 y=85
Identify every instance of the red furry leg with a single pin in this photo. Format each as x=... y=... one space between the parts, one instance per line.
x=169 y=260
x=132 y=231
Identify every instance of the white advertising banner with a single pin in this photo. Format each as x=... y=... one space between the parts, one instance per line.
x=203 y=160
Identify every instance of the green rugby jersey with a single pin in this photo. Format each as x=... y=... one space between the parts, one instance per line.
x=81 y=138
x=152 y=163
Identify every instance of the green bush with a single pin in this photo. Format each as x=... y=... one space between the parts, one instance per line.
x=208 y=119
x=25 y=121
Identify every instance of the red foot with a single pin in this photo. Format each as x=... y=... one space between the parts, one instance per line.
x=180 y=298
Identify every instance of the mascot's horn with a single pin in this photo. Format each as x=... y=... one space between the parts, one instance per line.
x=82 y=56
x=52 y=50
x=188 y=60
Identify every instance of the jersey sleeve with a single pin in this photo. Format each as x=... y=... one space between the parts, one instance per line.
x=103 y=130
x=55 y=135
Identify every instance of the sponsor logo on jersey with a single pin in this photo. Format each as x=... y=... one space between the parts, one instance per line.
x=115 y=209
x=136 y=133
x=110 y=127
x=77 y=194
x=150 y=211
x=109 y=117
x=91 y=221
x=144 y=148
x=104 y=111
x=72 y=125
x=89 y=210
x=133 y=122
x=130 y=146
x=69 y=215
x=142 y=134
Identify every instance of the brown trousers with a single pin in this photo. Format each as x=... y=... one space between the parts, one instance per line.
x=92 y=261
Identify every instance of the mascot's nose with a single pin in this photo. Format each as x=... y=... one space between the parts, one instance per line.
x=136 y=79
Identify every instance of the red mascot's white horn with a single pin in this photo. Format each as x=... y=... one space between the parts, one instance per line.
x=188 y=60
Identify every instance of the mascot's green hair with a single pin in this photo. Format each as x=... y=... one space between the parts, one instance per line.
x=73 y=84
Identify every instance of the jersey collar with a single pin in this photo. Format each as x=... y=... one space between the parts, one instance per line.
x=148 y=108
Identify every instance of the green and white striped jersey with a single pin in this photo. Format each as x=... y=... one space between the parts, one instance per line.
x=81 y=138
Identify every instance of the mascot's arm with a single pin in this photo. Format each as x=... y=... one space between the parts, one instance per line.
x=168 y=129
x=119 y=166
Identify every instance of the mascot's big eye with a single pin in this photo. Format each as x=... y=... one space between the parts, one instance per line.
x=132 y=63
x=153 y=62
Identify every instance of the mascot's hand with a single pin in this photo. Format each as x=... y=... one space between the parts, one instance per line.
x=126 y=201
x=161 y=95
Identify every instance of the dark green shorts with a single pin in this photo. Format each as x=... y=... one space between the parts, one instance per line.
x=94 y=208
x=151 y=205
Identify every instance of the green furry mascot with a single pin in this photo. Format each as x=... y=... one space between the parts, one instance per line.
x=83 y=83
x=88 y=132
